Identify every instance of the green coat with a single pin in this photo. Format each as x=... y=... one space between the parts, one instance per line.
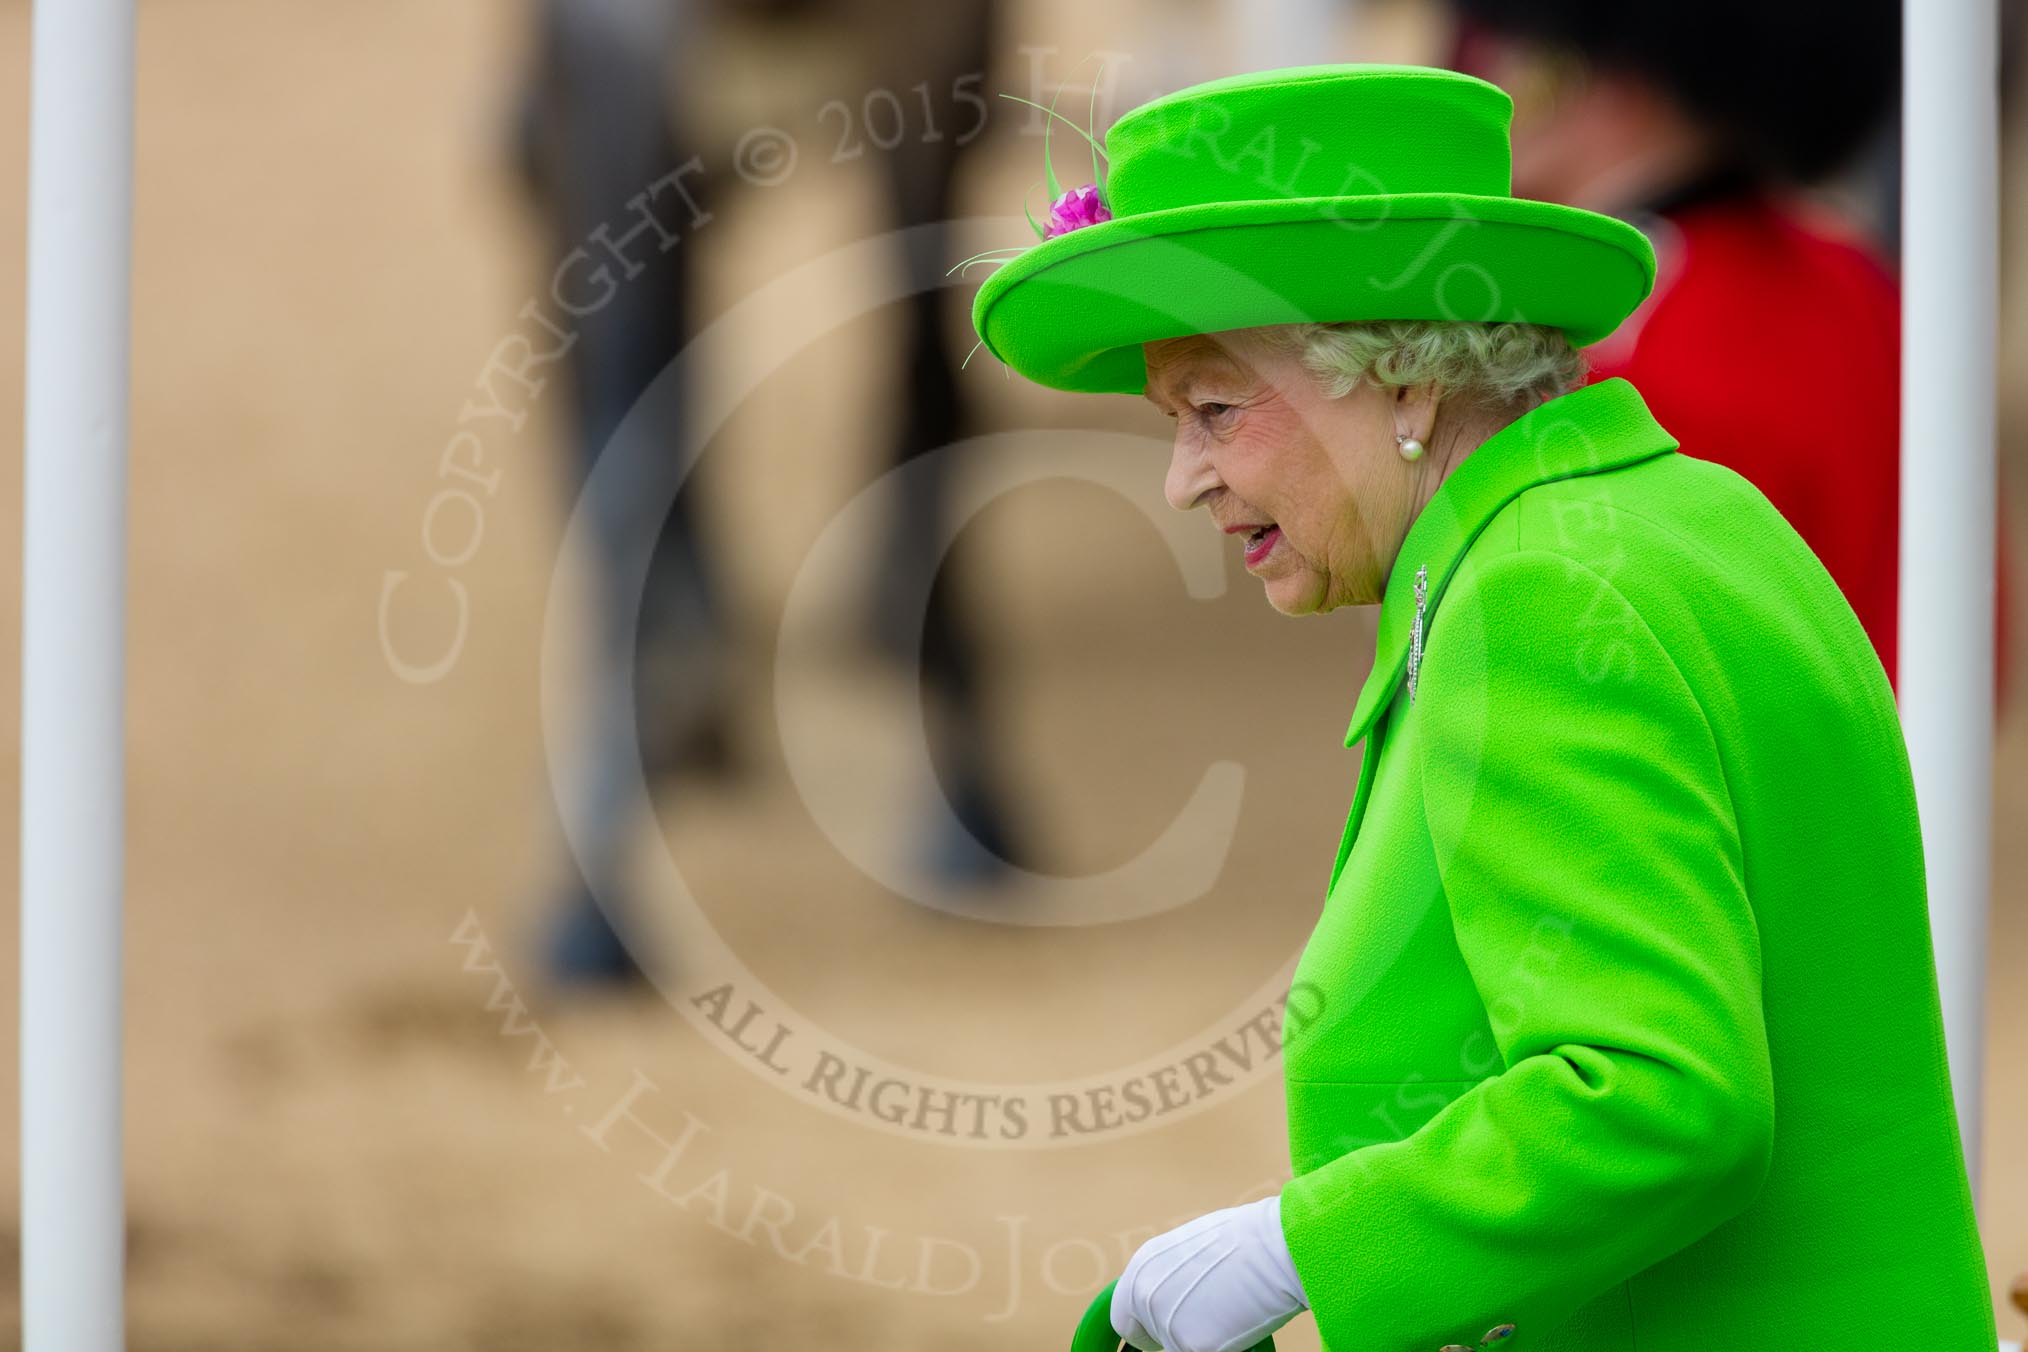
x=1620 y=1023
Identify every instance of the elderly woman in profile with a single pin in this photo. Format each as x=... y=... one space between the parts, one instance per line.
x=1630 y=1032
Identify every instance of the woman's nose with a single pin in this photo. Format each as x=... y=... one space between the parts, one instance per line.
x=1190 y=475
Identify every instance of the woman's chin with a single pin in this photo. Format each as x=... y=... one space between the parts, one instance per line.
x=1295 y=593
x=1308 y=591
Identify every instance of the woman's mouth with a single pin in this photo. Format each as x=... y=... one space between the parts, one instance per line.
x=1261 y=543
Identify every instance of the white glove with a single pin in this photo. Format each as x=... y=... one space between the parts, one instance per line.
x=1221 y=1283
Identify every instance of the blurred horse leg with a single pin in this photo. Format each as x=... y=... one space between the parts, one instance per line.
x=918 y=178
x=602 y=133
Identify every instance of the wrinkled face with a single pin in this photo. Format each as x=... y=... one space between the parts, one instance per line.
x=1311 y=489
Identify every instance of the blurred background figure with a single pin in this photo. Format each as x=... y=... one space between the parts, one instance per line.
x=607 y=117
x=596 y=132
x=901 y=45
x=1703 y=123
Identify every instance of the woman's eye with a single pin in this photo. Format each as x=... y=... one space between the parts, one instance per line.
x=1214 y=410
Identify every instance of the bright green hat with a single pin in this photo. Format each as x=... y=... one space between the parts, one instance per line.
x=1322 y=193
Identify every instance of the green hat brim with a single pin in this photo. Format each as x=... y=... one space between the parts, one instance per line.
x=1073 y=311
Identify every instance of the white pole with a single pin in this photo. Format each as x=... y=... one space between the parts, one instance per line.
x=1276 y=33
x=1949 y=330
x=72 y=678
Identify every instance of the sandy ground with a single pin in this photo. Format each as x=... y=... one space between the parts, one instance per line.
x=356 y=1120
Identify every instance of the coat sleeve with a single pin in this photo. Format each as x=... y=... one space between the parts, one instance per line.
x=1589 y=855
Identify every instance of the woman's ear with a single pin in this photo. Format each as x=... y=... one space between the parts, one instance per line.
x=1415 y=409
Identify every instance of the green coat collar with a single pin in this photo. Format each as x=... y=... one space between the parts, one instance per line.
x=1587 y=431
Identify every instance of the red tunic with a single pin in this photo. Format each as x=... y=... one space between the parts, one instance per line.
x=1772 y=345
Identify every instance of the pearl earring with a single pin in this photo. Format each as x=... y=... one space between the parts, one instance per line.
x=1411 y=449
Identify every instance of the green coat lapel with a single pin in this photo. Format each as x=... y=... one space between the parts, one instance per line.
x=1592 y=429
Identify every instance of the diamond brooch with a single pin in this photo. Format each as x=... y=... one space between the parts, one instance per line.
x=1415 y=633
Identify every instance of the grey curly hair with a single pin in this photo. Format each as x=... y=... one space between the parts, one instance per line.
x=1503 y=363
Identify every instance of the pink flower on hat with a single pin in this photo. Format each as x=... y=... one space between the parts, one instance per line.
x=1073 y=210
x=1076 y=209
